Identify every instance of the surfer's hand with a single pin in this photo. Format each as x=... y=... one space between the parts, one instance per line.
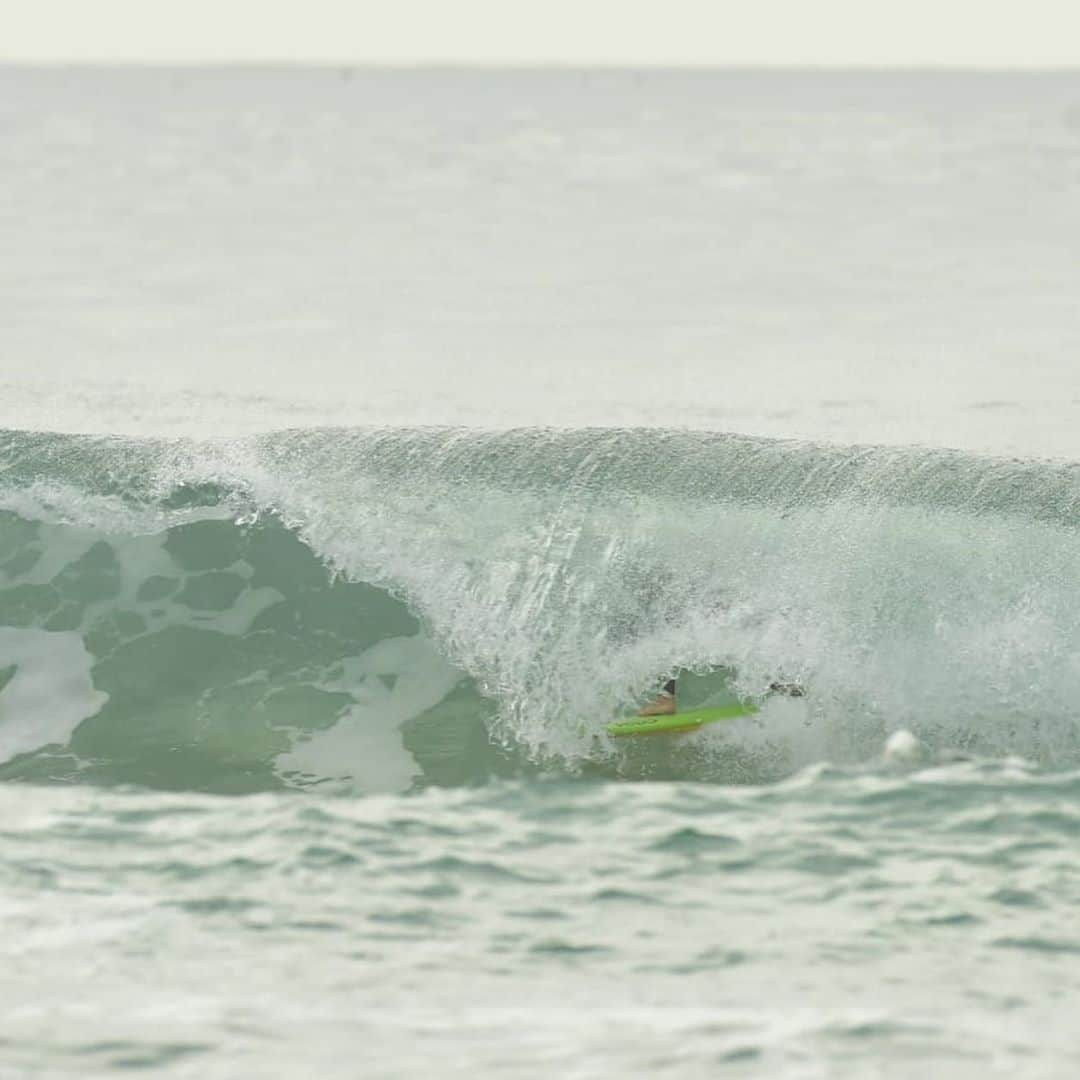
x=789 y=689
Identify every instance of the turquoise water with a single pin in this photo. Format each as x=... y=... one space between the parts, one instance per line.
x=389 y=609
x=370 y=440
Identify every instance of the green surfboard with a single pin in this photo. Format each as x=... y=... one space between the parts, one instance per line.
x=679 y=722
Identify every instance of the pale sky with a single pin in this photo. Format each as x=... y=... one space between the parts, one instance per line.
x=968 y=33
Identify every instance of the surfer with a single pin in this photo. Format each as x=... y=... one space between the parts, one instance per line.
x=664 y=703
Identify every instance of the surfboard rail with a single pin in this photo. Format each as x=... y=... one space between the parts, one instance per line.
x=680 y=722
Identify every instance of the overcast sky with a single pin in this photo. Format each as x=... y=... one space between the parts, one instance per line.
x=981 y=33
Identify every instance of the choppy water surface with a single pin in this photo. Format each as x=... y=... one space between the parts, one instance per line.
x=845 y=923
x=428 y=421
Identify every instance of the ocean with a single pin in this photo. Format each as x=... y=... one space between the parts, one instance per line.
x=370 y=439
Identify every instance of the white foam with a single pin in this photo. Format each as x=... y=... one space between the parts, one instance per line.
x=903 y=748
x=51 y=692
x=365 y=745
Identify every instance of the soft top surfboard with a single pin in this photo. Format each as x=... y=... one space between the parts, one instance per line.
x=677 y=722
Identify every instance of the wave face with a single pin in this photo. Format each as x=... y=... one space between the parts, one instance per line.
x=386 y=608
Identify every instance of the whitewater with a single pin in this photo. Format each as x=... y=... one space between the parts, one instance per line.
x=370 y=439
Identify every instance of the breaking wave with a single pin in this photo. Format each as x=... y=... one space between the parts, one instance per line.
x=387 y=608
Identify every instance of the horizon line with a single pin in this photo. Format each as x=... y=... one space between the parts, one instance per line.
x=554 y=66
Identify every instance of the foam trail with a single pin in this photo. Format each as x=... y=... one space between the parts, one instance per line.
x=390 y=683
x=46 y=689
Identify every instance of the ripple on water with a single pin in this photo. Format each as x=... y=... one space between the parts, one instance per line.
x=691 y=841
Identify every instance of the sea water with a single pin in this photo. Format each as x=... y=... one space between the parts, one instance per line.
x=371 y=439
